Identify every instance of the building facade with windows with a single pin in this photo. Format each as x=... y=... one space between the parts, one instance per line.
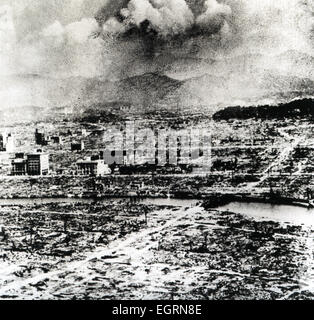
x=19 y=167
x=34 y=164
x=90 y=167
x=37 y=164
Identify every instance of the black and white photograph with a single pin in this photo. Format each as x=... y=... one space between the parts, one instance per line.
x=156 y=150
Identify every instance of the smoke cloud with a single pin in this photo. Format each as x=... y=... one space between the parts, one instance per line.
x=214 y=18
x=167 y=18
x=114 y=39
x=68 y=35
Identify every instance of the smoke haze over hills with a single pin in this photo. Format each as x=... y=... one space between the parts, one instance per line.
x=220 y=51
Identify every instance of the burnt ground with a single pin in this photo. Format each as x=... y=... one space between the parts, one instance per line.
x=107 y=251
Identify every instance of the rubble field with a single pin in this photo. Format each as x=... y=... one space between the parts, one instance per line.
x=122 y=250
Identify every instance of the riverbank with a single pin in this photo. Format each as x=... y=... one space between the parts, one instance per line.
x=180 y=187
x=219 y=200
x=209 y=201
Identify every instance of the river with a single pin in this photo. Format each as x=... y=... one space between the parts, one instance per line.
x=261 y=211
x=279 y=213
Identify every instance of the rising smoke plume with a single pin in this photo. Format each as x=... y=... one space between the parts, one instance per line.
x=114 y=39
x=166 y=18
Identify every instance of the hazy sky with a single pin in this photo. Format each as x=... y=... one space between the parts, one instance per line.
x=63 y=38
x=114 y=39
x=34 y=15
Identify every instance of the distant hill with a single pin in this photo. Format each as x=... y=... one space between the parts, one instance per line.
x=186 y=82
x=277 y=83
x=143 y=92
x=293 y=109
x=154 y=91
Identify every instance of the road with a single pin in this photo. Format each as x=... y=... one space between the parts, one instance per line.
x=284 y=155
x=126 y=250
